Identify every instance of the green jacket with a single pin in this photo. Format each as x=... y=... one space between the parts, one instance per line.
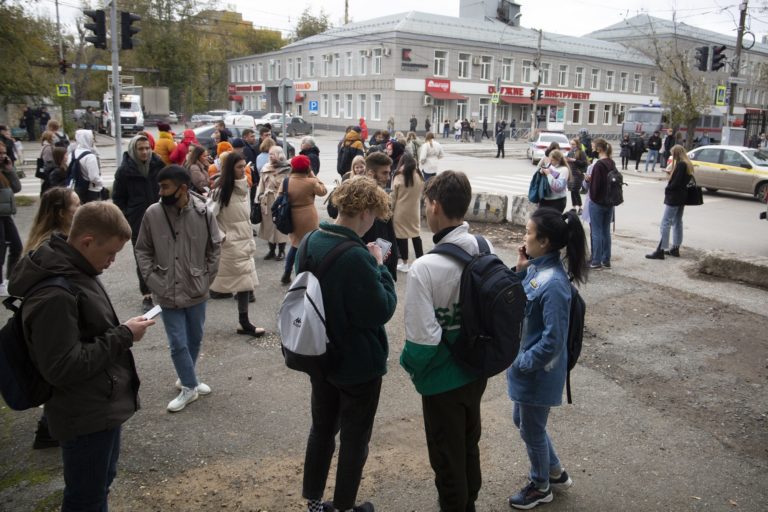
x=359 y=298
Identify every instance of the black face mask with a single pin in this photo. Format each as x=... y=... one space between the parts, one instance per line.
x=171 y=199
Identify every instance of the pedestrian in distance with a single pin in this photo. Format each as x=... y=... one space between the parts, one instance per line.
x=654 y=146
x=359 y=298
x=165 y=144
x=54 y=217
x=427 y=125
x=413 y=122
x=178 y=254
x=513 y=129
x=134 y=190
x=28 y=121
x=57 y=175
x=446 y=128
x=82 y=350
x=272 y=175
x=450 y=394
x=350 y=147
x=555 y=168
x=407 y=187
x=600 y=210
x=391 y=124
x=536 y=378
x=625 y=152
x=501 y=137
x=197 y=164
x=237 y=271
x=669 y=141
x=310 y=150
x=303 y=187
x=10 y=241
x=577 y=161
x=638 y=150
x=485 y=128
x=679 y=173
x=60 y=139
x=46 y=155
x=9 y=142
x=90 y=168
x=363 y=130
x=179 y=154
x=43 y=117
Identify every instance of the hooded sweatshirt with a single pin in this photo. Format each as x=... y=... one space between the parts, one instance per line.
x=179 y=154
x=89 y=164
x=165 y=146
x=135 y=186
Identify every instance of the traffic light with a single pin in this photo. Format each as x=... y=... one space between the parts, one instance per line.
x=533 y=94
x=63 y=67
x=126 y=30
x=541 y=93
x=718 y=58
x=702 y=58
x=98 y=27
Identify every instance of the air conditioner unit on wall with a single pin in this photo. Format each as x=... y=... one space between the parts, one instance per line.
x=387 y=52
x=475 y=61
x=428 y=100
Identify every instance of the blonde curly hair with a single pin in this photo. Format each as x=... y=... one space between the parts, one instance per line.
x=361 y=193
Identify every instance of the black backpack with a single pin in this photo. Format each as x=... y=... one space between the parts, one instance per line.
x=21 y=384
x=575 y=335
x=346 y=155
x=75 y=176
x=281 y=211
x=492 y=301
x=615 y=187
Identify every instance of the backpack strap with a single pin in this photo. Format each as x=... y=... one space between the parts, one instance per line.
x=453 y=250
x=328 y=259
x=58 y=281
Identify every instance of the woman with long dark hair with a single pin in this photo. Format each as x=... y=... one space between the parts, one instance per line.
x=237 y=270
x=197 y=164
x=536 y=378
x=600 y=209
x=406 y=212
x=674 y=198
x=9 y=234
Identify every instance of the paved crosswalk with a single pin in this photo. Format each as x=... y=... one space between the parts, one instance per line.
x=518 y=184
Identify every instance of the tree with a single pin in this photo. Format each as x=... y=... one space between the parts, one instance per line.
x=309 y=25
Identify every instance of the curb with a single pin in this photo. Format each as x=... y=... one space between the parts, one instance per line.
x=732 y=266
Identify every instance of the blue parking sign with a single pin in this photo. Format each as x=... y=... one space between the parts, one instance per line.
x=314 y=106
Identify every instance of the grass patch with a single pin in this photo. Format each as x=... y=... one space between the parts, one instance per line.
x=25 y=200
x=31 y=476
x=51 y=503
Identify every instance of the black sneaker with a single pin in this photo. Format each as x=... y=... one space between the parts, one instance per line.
x=364 y=507
x=529 y=497
x=595 y=266
x=147 y=304
x=606 y=264
x=561 y=482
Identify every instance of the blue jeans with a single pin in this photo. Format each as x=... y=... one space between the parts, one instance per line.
x=600 y=221
x=184 y=328
x=290 y=258
x=90 y=465
x=672 y=219
x=653 y=154
x=531 y=420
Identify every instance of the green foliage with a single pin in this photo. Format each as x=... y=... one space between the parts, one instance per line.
x=309 y=25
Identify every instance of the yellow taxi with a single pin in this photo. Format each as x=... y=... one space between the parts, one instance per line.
x=732 y=168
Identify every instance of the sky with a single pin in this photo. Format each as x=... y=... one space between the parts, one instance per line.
x=572 y=17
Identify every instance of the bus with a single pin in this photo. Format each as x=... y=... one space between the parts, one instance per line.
x=647 y=119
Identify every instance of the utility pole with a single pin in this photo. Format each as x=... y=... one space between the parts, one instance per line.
x=346 y=11
x=535 y=105
x=115 y=81
x=737 y=59
x=58 y=29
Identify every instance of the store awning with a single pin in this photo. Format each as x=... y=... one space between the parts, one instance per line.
x=446 y=95
x=520 y=100
x=236 y=97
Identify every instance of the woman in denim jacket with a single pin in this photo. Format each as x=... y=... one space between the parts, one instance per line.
x=537 y=376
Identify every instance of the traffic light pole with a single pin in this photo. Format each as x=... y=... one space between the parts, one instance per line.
x=535 y=104
x=115 y=82
x=737 y=59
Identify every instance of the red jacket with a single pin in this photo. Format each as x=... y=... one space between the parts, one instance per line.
x=179 y=154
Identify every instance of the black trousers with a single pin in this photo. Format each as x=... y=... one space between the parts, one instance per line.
x=143 y=288
x=557 y=204
x=499 y=150
x=453 y=427
x=637 y=160
x=348 y=410
x=575 y=198
x=402 y=247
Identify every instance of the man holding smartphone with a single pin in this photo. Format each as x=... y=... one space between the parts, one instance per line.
x=378 y=166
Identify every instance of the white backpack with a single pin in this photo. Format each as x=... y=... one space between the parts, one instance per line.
x=301 y=319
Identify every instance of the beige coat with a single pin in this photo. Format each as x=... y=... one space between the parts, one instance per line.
x=237 y=271
x=406 y=206
x=302 y=189
x=271 y=178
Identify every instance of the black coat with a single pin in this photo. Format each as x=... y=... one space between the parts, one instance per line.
x=676 y=190
x=313 y=154
x=133 y=192
x=385 y=230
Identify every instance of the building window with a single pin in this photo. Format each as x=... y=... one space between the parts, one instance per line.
x=440 y=67
x=592 y=114
x=620 y=118
x=326 y=64
x=260 y=72
x=562 y=76
x=748 y=96
x=607 y=111
x=461 y=109
x=289 y=69
x=361 y=105
x=527 y=67
x=336 y=64
x=484 y=108
x=486 y=63
x=336 y=105
x=637 y=83
x=298 y=67
x=311 y=66
x=623 y=82
x=609 y=80
x=376 y=107
x=239 y=73
x=271 y=70
x=507 y=69
x=253 y=74
x=594 y=82
x=464 y=65
x=348 y=66
x=324 y=105
x=376 y=64
x=362 y=63
x=232 y=74
x=652 y=82
x=576 y=113
x=545 y=73
x=349 y=110
x=579 y=77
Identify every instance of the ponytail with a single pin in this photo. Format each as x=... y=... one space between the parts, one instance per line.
x=564 y=230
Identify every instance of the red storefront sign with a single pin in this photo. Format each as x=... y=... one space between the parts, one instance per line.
x=437 y=85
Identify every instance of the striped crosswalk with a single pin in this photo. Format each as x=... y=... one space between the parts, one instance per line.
x=515 y=184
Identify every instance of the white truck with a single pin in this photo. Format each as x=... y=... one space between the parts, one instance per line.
x=129 y=110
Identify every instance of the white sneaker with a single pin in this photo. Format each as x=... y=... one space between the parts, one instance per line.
x=3 y=289
x=403 y=267
x=202 y=388
x=186 y=396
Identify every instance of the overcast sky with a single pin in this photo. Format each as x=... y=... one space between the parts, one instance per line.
x=572 y=17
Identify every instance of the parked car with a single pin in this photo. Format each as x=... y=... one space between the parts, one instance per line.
x=273 y=118
x=219 y=114
x=296 y=126
x=733 y=168
x=172 y=117
x=204 y=135
x=202 y=119
x=537 y=147
x=239 y=120
x=256 y=114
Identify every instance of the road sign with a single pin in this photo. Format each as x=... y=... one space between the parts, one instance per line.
x=739 y=80
x=63 y=90
x=720 y=95
x=314 y=107
x=495 y=97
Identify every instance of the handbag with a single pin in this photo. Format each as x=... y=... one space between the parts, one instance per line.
x=40 y=172
x=281 y=211
x=693 y=194
x=256 y=214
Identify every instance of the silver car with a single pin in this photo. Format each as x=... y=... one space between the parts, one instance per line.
x=537 y=147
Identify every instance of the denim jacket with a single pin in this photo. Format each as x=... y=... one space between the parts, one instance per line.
x=537 y=375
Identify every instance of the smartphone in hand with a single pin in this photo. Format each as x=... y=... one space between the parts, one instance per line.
x=385 y=246
x=152 y=313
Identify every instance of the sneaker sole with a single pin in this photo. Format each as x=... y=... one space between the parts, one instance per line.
x=562 y=485
x=545 y=499
x=183 y=406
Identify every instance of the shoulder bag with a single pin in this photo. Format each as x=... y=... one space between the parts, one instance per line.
x=693 y=194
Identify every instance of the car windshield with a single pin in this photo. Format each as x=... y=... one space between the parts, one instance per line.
x=560 y=139
x=643 y=117
x=757 y=156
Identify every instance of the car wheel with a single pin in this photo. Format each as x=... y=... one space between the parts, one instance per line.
x=534 y=162
x=762 y=192
x=711 y=190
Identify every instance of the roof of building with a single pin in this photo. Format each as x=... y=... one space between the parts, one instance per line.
x=491 y=32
